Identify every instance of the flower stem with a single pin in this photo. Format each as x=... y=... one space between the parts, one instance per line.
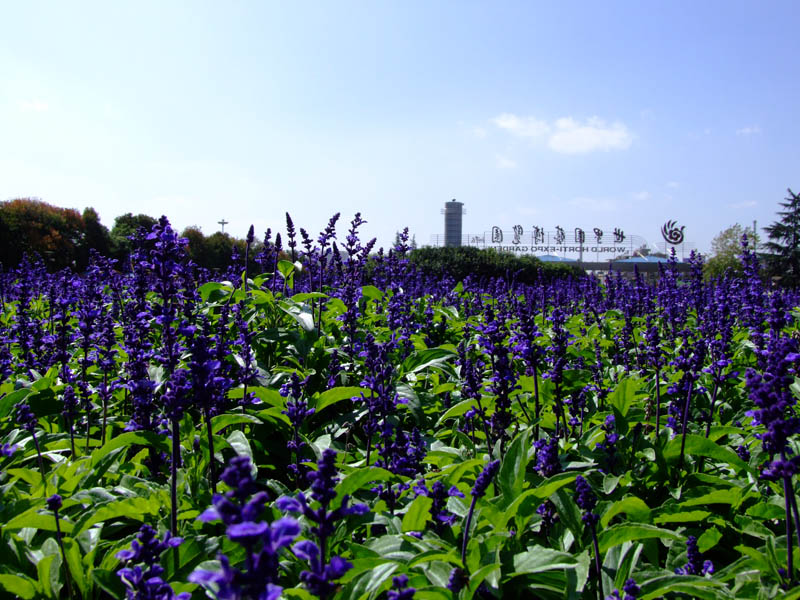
x=466 y=531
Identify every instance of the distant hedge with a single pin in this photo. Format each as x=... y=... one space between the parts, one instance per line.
x=486 y=263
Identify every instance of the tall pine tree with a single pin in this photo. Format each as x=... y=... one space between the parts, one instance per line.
x=783 y=247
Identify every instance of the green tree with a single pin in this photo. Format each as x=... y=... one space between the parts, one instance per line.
x=783 y=248
x=726 y=248
x=35 y=227
x=97 y=234
x=124 y=227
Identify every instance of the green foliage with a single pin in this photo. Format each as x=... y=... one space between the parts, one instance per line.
x=60 y=236
x=725 y=250
x=783 y=247
x=485 y=263
x=124 y=227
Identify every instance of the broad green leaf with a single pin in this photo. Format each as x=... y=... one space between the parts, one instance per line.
x=617 y=534
x=686 y=516
x=692 y=585
x=44 y=521
x=424 y=359
x=47 y=570
x=626 y=393
x=358 y=479
x=9 y=401
x=477 y=578
x=371 y=292
x=132 y=438
x=220 y=422
x=697 y=445
x=76 y=568
x=240 y=444
x=548 y=487
x=19 y=586
x=338 y=394
x=511 y=477
x=136 y=508
x=632 y=506
x=709 y=539
x=418 y=514
x=457 y=410
x=539 y=558
x=730 y=496
x=269 y=396
x=213 y=291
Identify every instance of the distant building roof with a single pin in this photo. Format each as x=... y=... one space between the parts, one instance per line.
x=643 y=259
x=553 y=258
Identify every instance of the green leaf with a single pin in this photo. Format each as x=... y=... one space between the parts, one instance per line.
x=547 y=488
x=47 y=569
x=238 y=441
x=9 y=401
x=457 y=410
x=135 y=508
x=626 y=393
x=337 y=394
x=697 y=445
x=539 y=558
x=424 y=359
x=76 y=568
x=633 y=506
x=33 y=518
x=686 y=516
x=511 y=477
x=20 y=586
x=358 y=479
x=477 y=578
x=692 y=585
x=131 y=438
x=624 y=532
x=730 y=496
x=213 y=291
x=418 y=514
x=110 y=582
x=766 y=511
x=371 y=292
x=709 y=539
x=269 y=396
x=220 y=422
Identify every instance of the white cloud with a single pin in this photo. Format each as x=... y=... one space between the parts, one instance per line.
x=568 y=135
x=745 y=204
x=749 y=130
x=572 y=137
x=504 y=162
x=521 y=126
x=643 y=195
x=34 y=105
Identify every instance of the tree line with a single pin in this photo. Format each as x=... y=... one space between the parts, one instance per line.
x=778 y=250
x=64 y=237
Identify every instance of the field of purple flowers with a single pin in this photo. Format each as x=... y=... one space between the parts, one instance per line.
x=339 y=425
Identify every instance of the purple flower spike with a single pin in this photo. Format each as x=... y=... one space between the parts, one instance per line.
x=247 y=532
x=8 y=449
x=485 y=478
x=400 y=590
x=54 y=502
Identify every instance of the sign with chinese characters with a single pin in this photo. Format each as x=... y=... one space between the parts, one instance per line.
x=538 y=239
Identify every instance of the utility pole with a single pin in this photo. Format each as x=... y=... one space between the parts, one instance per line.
x=223 y=222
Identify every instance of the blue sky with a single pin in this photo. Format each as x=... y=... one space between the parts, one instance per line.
x=578 y=114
